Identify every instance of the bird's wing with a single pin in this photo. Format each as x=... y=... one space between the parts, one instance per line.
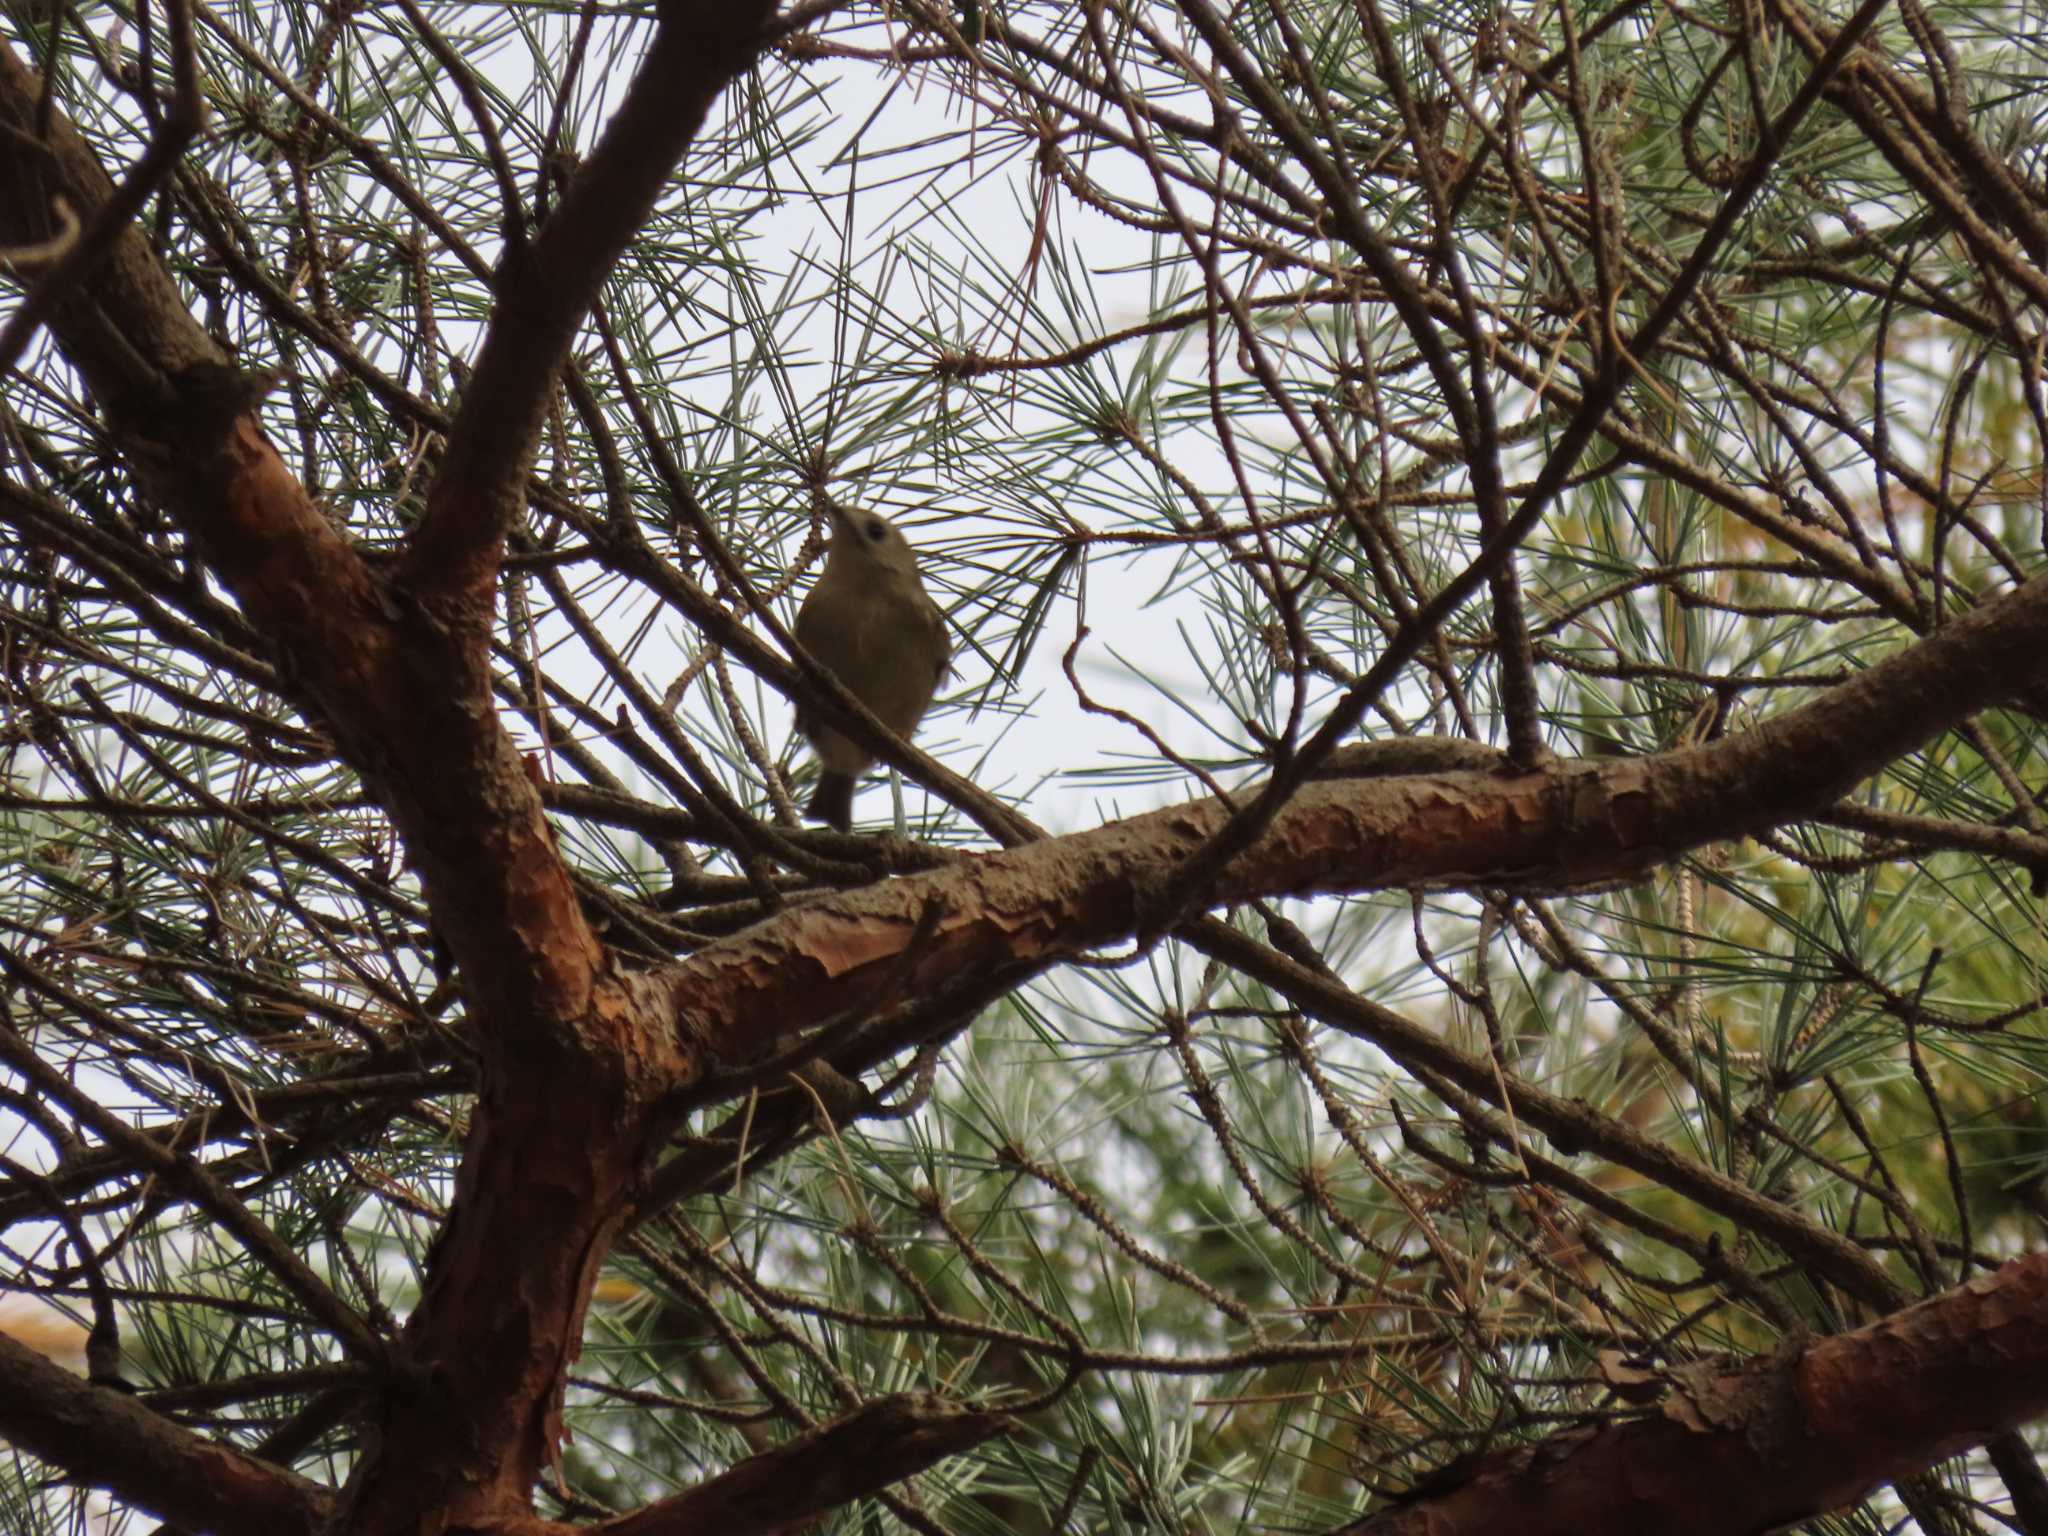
x=935 y=616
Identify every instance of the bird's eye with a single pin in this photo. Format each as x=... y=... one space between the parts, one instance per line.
x=877 y=531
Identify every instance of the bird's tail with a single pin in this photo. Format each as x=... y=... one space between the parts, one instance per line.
x=832 y=801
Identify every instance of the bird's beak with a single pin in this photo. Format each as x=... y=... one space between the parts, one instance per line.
x=839 y=518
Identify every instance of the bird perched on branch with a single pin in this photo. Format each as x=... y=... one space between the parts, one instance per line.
x=870 y=622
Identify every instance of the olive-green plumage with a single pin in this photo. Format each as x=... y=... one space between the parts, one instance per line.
x=870 y=622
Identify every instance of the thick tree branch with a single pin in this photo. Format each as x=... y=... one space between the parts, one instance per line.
x=79 y=259
x=577 y=1062
x=851 y=1458
x=549 y=286
x=1762 y=1445
x=788 y=1487
x=106 y=1439
x=1573 y=824
x=406 y=699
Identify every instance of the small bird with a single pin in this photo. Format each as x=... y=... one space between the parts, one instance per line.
x=871 y=623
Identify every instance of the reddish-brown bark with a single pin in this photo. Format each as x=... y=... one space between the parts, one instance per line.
x=549 y=286
x=577 y=1057
x=788 y=1488
x=1576 y=823
x=1759 y=1445
x=105 y=1439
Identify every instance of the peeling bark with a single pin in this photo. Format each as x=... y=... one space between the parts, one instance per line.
x=1572 y=824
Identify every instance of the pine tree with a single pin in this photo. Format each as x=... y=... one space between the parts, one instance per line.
x=1462 y=949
